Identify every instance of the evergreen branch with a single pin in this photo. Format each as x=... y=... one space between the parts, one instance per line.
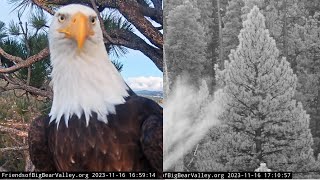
x=26 y=63
x=134 y=13
x=119 y=37
x=244 y=104
x=104 y=32
x=274 y=151
x=246 y=152
x=133 y=41
x=10 y=57
x=43 y=6
x=137 y=14
x=125 y=7
x=238 y=129
x=20 y=85
x=140 y=22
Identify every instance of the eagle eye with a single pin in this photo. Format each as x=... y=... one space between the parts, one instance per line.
x=93 y=20
x=61 y=17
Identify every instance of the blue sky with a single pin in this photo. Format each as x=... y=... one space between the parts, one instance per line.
x=135 y=64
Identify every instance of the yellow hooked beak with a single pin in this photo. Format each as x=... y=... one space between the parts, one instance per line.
x=78 y=29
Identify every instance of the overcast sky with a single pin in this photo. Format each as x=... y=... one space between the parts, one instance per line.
x=138 y=70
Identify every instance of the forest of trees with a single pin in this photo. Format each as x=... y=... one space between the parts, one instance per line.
x=267 y=62
x=25 y=91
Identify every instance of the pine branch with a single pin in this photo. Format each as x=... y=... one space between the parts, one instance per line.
x=132 y=41
x=26 y=63
x=155 y=14
x=134 y=13
x=30 y=89
x=105 y=34
x=43 y=6
x=10 y=57
x=17 y=84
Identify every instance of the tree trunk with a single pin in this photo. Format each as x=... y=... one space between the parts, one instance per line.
x=258 y=143
x=166 y=81
x=220 y=37
x=285 y=31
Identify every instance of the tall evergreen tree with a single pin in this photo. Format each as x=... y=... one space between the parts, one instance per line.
x=249 y=4
x=185 y=47
x=261 y=121
x=237 y=11
x=232 y=24
x=281 y=17
x=169 y=5
x=308 y=71
x=209 y=20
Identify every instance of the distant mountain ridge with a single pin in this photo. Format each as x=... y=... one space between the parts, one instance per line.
x=149 y=93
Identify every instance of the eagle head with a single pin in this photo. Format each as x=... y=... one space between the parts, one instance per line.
x=77 y=26
x=83 y=78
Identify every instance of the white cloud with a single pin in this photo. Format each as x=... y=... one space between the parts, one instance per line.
x=146 y=83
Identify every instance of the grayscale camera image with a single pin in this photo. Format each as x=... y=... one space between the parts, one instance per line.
x=242 y=86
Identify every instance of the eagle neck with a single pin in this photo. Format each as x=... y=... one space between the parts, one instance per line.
x=85 y=82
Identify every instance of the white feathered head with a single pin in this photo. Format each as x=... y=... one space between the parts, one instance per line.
x=83 y=78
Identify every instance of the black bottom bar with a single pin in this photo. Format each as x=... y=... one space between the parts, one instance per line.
x=227 y=175
x=78 y=175
x=146 y=175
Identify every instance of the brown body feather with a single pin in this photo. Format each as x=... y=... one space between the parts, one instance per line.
x=131 y=141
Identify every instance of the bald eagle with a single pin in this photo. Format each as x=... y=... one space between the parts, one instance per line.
x=96 y=122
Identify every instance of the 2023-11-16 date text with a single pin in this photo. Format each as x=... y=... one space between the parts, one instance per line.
x=227 y=175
